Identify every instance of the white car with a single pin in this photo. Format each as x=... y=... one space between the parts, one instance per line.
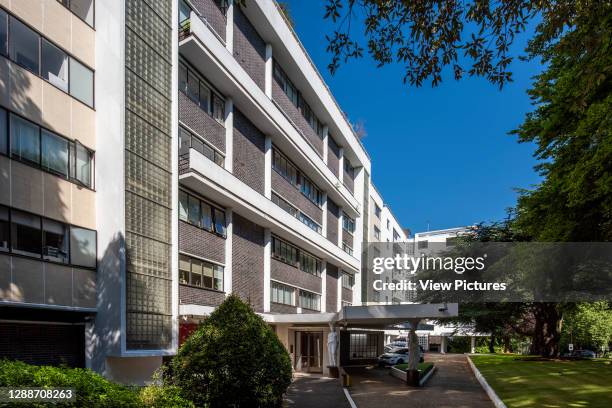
x=397 y=356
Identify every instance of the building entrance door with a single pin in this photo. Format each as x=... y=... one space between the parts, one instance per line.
x=309 y=352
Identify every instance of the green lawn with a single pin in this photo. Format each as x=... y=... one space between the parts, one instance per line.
x=522 y=381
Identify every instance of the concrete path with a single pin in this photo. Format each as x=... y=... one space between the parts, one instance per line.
x=452 y=385
x=311 y=390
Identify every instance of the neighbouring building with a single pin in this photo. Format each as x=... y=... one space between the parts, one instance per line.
x=156 y=156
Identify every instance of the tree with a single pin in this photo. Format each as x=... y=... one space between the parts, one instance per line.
x=589 y=325
x=471 y=36
x=233 y=359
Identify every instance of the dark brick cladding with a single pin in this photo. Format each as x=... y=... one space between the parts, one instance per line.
x=293 y=276
x=249 y=48
x=279 y=308
x=332 y=221
x=347 y=295
x=333 y=156
x=201 y=122
x=212 y=13
x=43 y=344
x=347 y=238
x=189 y=295
x=291 y=193
x=248 y=261
x=199 y=242
x=249 y=152
x=331 y=287
x=296 y=116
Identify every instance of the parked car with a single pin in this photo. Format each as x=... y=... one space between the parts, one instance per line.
x=398 y=355
x=584 y=354
x=395 y=344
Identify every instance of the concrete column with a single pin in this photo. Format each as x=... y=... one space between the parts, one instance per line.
x=323 y=286
x=229 y=135
x=268 y=72
x=229 y=27
x=268 y=168
x=340 y=221
x=443 y=345
x=341 y=165
x=227 y=271
x=339 y=289
x=324 y=221
x=267 y=267
x=325 y=143
x=472 y=344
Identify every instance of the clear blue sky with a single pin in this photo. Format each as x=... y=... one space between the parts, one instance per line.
x=440 y=156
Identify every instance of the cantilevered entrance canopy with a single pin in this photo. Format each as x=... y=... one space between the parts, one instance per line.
x=383 y=316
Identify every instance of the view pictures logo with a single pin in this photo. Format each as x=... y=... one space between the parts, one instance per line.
x=413 y=264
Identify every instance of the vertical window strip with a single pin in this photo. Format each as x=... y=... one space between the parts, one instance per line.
x=198 y=90
x=201 y=214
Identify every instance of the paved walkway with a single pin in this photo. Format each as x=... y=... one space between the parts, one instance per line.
x=452 y=385
x=311 y=390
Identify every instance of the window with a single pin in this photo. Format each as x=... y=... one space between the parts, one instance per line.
x=284 y=167
x=81 y=82
x=376 y=233
x=309 y=222
x=348 y=224
x=184 y=11
x=83 y=247
x=285 y=252
x=201 y=214
x=310 y=264
x=83 y=9
x=396 y=235
x=25 y=234
x=348 y=280
x=308 y=188
x=3 y=32
x=388 y=224
x=278 y=200
x=23 y=46
x=25 y=140
x=201 y=93
x=3 y=132
x=347 y=248
x=377 y=211
x=55 y=153
x=4 y=229
x=363 y=346
x=54 y=65
x=83 y=166
x=55 y=241
x=309 y=300
x=196 y=272
x=282 y=294
x=349 y=169
x=423 y=244
x=189 y=140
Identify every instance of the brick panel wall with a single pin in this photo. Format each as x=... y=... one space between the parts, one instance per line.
x=296 y=116
x=331 y=283
x=291 y=275
x=332 y=221
x=348 y=181
x=249 y=152
x=201 y=122
x=248 y=261
x=43 y=344
x=333 y=156
x=278 y=308
x=290 y=193
x=198 y=242
x=212 y=13
x=347 y=295
x=249 y=48
x=347 y=238
x=188 y=295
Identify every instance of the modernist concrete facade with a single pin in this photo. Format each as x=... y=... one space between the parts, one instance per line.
x=157 y=156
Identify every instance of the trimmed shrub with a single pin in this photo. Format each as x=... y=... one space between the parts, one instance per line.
x=156 y=396
x=233 y=359
x=91 y=389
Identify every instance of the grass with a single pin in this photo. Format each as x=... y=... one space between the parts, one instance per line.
x=422 y=367
x=522 y=381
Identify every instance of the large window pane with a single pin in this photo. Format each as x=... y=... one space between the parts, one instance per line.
x=84 y=9
x=82 y=247
x=184 y=11
x=183 y=206
x=84 y=159
x=54 y=65
x=23 y=47
x=196 y=272
x=193 y=86
x=204 y=97
x=206 y=217
x=3 y=132
x=194 y=210
x=220 y=222
x=25 y=140
x=4 y=229
x=26 y=237
x=184 y=269
x=54 y=153
x=3 y=32
x=182 y=78
x=207 y=275
x=218 y=277
x=55 y=241
x=81 y=82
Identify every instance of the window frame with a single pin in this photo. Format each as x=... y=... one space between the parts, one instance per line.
x=213 y=210
x=67 y=7
x=214 y=266
x=348 y=279
x=284 y=287
x=311 y=296
x=213 y=94
x=348 y=224
x=218 y=157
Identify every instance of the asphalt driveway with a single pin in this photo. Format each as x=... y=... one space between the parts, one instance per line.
x=315 y=391
x=452 y=385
